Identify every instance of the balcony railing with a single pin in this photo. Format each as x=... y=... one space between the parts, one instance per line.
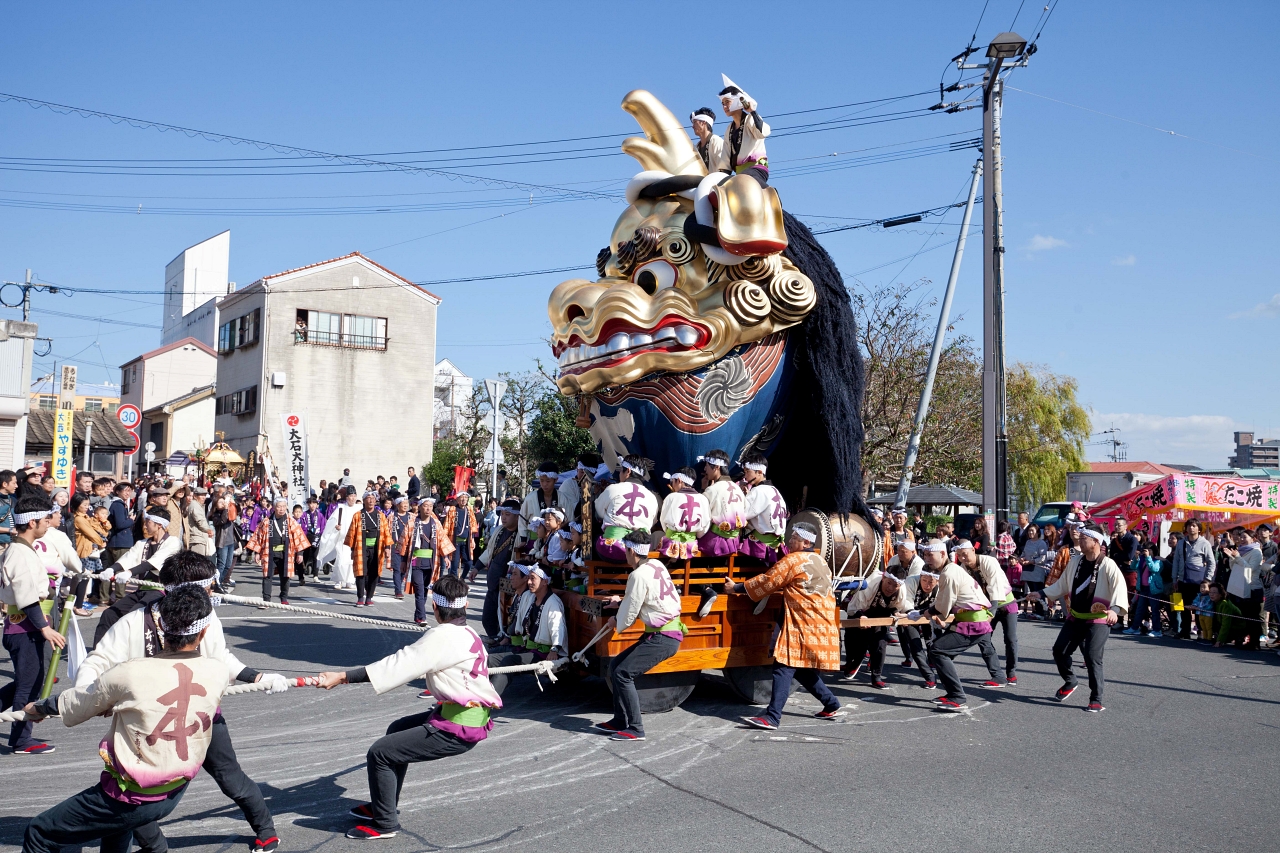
x=337 y=339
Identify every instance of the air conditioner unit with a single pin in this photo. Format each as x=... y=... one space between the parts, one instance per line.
x=277 y=379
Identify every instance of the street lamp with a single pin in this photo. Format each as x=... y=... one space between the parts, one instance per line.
x=1006 y=46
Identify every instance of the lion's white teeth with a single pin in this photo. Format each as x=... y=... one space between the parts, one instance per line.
x=664 y=333
x=687 y=335
x=618 y=342
x=641 y=339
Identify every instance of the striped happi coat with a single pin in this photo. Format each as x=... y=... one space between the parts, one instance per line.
x=260 y=544
x=355 y=535
x=810 y=635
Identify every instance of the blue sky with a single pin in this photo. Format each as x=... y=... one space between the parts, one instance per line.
x=1141 y=262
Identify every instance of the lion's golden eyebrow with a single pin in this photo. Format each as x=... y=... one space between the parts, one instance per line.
x=666 y=146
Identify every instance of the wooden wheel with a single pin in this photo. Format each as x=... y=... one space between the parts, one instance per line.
x=753 y=684
x=661 y=692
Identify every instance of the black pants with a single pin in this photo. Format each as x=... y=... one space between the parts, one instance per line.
x=492 y=587
x=91 y=815
x=913 y=641
x=652 y=650
x=501 y=679
x=421 y=573
x=1008 y=621
x=860 y=641
x=944 y=650
x=367 y=584
x=408 y=741
x=460 y=560
x=221 y=763
x=1090 y=636
x=1189 y=592
x=809 y=679
x=278 y=567
x=1250 y=610
x=27 y=653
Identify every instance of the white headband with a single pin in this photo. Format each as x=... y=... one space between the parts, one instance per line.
x=711 y=120
x=1093 y=534
x=554 y=510
x=714 y=460
x=934 y=575
x=537 y=570
x=369 y=494
x=961 y=544
x=804 y=534
x=509 y=509
x=28 y=517
x=576 y=527
x=934 y=547
x=641 y=548
x=755 y=466
x=451 y=603
x=204 y=584
x=908 y=544
x=194 y=628
x=684 y=478
x=524 y=570
x=548 y=474
x=631 y=467
x=155 y=519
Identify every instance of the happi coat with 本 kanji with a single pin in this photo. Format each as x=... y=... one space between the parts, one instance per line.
x=810 y=634
x=355 y=541
x=295 y=543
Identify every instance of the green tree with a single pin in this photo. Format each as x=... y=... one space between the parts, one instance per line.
x=445 y=454
x=552 y=434
x=1047 y=429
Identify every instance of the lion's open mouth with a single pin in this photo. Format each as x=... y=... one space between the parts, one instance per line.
x=620 y=341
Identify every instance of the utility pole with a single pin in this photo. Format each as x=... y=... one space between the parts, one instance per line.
x=935 y=354
x=26 y=299
x=26 y=287
x=995 y=477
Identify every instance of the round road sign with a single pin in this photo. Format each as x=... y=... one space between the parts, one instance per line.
x=149 y=456
x=129 y=415
x=150 y=446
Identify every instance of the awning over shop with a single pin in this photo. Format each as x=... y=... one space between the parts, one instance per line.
x=1186 y=496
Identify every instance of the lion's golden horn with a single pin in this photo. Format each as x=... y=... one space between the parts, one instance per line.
x=666 y=147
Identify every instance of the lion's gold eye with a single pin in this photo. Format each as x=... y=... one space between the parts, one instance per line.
x=655 y=276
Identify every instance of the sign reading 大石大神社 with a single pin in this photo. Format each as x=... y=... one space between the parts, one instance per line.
x=297 y=467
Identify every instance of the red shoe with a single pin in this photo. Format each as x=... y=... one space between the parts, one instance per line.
x=1095 y=707
x=992 y=683
x=285 y=602
x=35 y=749
x=264 y=845
x=1064 y=692
x=759 y=723
x=832 y=714
x=950 y=705
x=931 y=685
x=608 y=726
x=625 y=735
x=368 y=833
x=879 y=684
x=426 y=694
x=1011 y=681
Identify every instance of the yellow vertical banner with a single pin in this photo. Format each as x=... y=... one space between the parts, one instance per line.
x=62 y=458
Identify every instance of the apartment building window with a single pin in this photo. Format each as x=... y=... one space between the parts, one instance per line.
x=48 y=403
x=127 y=375
x=242 y=402
x=240 y=332
x=91 y=405
x=340 y=330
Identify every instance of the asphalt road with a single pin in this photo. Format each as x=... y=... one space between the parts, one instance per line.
x=1183 y=758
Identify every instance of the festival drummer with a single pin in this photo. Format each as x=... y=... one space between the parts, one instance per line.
x=624 y=507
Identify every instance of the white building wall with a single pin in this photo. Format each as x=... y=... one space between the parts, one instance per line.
x=16 y=340
x=172 y=374
x=191 y=425
x=195 y=276
x=367 y=410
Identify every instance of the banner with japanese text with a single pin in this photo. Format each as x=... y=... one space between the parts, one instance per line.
x=296 y=465
x=62 y=455
x=1179 y=497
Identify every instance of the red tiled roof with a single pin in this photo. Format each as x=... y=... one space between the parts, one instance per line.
x=1132 y=468
x=395 y=275
x=172 y=346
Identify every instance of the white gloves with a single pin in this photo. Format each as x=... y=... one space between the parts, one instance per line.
x=278 y=682
x=120 y=577
x=914 y=614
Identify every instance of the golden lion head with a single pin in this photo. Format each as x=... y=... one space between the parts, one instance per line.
x=665 y=302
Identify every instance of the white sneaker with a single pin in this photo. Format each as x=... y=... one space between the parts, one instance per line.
x=1156 y=635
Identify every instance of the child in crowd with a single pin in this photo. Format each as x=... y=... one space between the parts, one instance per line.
x=1202 y=607
x=1226 y=627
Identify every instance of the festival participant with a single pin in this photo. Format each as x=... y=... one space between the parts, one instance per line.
x=880 y=597
x=685 y=516
x=418 y=546
x=496 y=556
x=962 y=614
x=919 y=592
x=508 y=622
x=624 y=507
x=808 y=641
x=159 y=709
x=401 y=520
x=143 y=560
x=995 y=586
x=709 y=146
x=369 y=539
x=277 y=545
x=313 y=526
x=744 y=150
x=727 y=504
x=580 y=489
x=556 y=549
x=24 y=591
x=651 y=597
x=765 y=510
x=543 y=496
x=540 y=628
x=138 y=635
x=460 y=529
x=1093 y=589
x=333 y=546
x=452 y=659
x=898 y=531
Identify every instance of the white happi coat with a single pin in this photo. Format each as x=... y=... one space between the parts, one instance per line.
x=686 y=512
x=650 y=597
x=728 y=504
x=453 y=661
x=627 y=504
x=765 y=510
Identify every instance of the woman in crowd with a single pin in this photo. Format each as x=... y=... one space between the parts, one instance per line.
x=1034 y=568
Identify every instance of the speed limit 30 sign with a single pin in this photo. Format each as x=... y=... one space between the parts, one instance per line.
x=129 y=415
